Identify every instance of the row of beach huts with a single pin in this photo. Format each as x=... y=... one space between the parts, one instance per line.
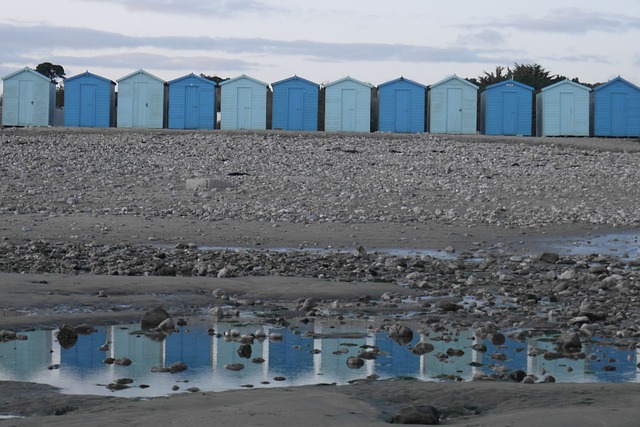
x=450 y=106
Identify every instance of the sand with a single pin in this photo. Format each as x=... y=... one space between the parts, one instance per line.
x=477 y=403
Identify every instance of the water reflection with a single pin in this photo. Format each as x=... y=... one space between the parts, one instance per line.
x=298 y=358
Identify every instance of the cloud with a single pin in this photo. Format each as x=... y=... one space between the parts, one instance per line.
x=481 y=38
x=569 y=21
x=25 y=41
x=219 y=8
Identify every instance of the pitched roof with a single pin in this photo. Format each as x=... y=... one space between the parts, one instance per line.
x=141 y=71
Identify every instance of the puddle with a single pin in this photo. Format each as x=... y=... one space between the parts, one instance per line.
x=625 y=244
x=298 y=359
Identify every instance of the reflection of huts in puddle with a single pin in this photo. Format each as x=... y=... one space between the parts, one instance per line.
x=23 y=360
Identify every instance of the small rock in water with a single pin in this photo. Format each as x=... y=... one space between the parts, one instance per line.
x=424 y=414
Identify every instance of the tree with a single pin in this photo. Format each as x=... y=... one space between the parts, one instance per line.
x=53 y=71
x=214 y=78
x=56 y=74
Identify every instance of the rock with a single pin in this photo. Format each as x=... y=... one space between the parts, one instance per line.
x=67 y=336
x=7 y=335
x=224 y=272
x=359 y=252
x=449 y=306
x=244 y=351
x=400 y=334
x=517 y=375
x=178 y=367
x=275 y=336
x=123 y=361
x=167 y=326
x=216 y=312
x=497 y=339
x=257 y=360
x=423 y=414
x=422 y=348
x=549 y=257
x=354 y=362
x=234 y=366
x=450 y=249
x=160 y=369
x=152 y=318
x=569 y=342
x=570 y=274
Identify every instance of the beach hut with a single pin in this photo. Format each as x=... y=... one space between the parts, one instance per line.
x=401 y=104
x=562 y=109
x=506 y=108
x=142 y=101
x=89 y=101
x=29 y=99
x=453 y=106
x=295 y=104
x=616 y=108
x=347 y=106
x=243 y=103
x=192 y=103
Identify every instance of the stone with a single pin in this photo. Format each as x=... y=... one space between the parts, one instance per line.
x=244 y=351
x=423 y=414
x=497 y=339
x=570 y=274
x=67 y=336
x=123 y=361
x=85 y=329
x=400 y=333
x=167 y=326
x=549 y=257
x=234 y=366
x=153 y=317
x=178 y=367
x=354 y=362
x=569 y=342
x=422 y=348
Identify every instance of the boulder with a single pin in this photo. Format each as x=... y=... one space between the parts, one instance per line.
x=153 y=317
x=355 y=362
x=178 y=367
x=423 y=414
x=244 y=351
x=67 y=336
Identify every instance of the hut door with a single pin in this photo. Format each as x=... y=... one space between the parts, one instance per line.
x=618 y=114
x=348 y=121
x=140 y=104
x=509 y=113
x=454 y=110
x=191 y=107
x=567 y=117
x=87 y=105
x=403 y=110
x=296 y=110
x=25 y=103
x=244 y=108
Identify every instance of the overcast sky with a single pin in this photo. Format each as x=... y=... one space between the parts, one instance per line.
x=373 y=41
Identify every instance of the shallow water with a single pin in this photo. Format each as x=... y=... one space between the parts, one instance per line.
x=298 y=359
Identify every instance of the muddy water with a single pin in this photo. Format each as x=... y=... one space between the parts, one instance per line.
x=314 y=353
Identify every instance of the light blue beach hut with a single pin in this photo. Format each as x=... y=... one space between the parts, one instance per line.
x=192 y=103
x=401 y=105
x=347 y=106
x=562 y=109
x=616 y=108
x=453 y=106
x=29 y=99
x=295 y=104
x=89 y=101
x=243 y=103
x=142 y=101
x=506 y=109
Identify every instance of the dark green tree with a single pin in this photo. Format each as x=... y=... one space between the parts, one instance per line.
x=53 y=71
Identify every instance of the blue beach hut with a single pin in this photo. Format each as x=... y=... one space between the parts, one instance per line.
x=347 y=106
x=295 y=104
x=89 y=101
x=243 y=103
x=616 y=108
x=506 y=109
x=29 y=99
x=192 y=103
x=142 y=101
x=562 y=109
x=453 y=106
x=401 y=105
